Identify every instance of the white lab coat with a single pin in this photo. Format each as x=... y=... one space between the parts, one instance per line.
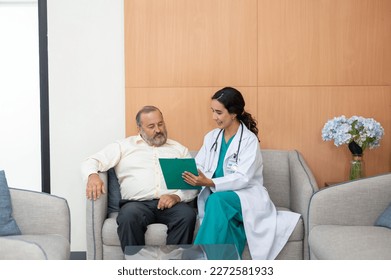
x=267 y=230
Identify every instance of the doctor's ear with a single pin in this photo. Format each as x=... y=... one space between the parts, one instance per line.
x=233 y=116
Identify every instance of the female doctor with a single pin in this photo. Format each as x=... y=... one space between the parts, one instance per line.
x=233 y=205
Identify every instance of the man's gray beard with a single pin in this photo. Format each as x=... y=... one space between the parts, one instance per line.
x=154 y=141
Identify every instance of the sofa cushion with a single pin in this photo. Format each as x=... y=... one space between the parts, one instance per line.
x=16 y=249
x=35 y=247
x=156 y=234
x=331 y=242
x=298 y=232
x=109 y=231
x=384 y=219
x=8 y=225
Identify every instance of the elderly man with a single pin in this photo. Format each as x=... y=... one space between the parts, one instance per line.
x=145 y=198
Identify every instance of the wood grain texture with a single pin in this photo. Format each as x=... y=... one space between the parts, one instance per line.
x=171 y=43
x=333 y=42
x=298 y=63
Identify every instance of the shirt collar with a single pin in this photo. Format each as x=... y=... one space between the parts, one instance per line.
x=140 y=139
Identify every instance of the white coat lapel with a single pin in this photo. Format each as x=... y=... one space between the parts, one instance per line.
x=233 y=147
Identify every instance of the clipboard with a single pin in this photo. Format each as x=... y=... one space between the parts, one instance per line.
x=173 y=168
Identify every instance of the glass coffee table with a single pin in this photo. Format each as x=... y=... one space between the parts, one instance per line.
x=182 y=252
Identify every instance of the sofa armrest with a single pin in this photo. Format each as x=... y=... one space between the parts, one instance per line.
x=303 y=183
x=40 y=213
x=303 y=186
x=357 y=202
x=96 y=214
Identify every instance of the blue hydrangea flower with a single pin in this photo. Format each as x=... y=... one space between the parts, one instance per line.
x=366 y=132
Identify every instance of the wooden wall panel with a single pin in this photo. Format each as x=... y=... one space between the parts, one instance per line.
x=302 y=113
x=172 y=43
x=186 y=111
x=299 y=63
x=333 y=42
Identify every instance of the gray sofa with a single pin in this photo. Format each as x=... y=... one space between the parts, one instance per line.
x=286 y=176
x=44 y=221
x=342 y=220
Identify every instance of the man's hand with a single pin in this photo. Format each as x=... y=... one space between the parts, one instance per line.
x=168 y=201
x=201 y=180
x=95 y=187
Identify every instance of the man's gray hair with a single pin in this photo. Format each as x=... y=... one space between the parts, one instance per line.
x=145 y=110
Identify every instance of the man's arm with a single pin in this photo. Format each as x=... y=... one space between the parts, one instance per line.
x=100 y=162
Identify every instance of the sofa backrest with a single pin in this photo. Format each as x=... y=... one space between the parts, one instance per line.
x=276 y=176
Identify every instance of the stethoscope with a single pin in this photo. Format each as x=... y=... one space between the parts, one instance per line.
x=235 y=155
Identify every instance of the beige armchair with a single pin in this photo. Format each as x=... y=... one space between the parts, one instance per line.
x=342 y=220
x=44 y=221
x=286 y=176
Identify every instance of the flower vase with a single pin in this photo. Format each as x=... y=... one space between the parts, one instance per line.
x=357 y=167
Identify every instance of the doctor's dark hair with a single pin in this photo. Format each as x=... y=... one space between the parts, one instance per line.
x=234 y=102
x=145 y=110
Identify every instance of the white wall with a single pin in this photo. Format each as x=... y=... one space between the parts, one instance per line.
x=20 y=137
x=86 y=93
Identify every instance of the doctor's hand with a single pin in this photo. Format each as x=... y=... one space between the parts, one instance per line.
x=200 y=180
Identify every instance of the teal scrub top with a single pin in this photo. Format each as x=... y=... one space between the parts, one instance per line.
x=223 y=150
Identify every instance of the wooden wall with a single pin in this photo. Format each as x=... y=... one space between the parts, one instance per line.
x=298 y=63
